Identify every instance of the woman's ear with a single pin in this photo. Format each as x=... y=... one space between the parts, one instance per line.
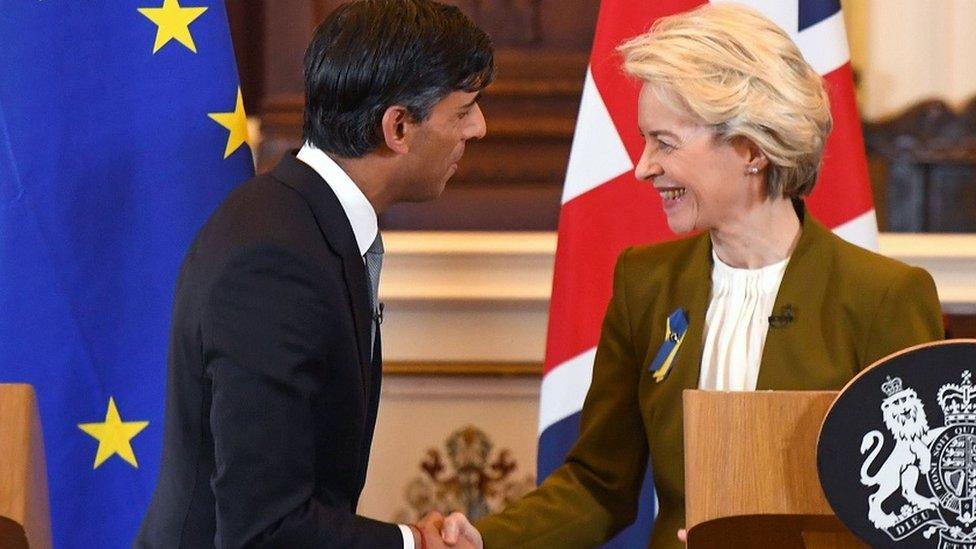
x=756 y=160
x=394 y=127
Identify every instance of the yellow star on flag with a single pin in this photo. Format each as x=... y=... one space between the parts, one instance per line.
x=173 y=22
x=236 y=122
x=114 y=436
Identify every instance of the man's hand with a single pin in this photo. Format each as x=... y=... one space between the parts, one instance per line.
x=459 y=532
x=430 y=529
x=427 y=531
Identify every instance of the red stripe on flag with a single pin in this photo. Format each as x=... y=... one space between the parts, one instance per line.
x=843 y=190
x=617 y=22
x=596 y=226
x=593 y=229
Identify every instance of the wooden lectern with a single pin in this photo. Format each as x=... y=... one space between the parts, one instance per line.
x=24 y=515
x=751 y=471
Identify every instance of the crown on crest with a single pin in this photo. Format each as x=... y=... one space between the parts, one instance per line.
x=892 y=386
x=958 y=402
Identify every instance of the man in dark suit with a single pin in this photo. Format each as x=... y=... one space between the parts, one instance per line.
x=274 y=364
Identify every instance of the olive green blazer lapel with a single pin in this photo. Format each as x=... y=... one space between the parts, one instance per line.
x=803 y=283
x=691 y=293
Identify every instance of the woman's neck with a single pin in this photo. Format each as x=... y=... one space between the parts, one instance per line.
x=762 y=235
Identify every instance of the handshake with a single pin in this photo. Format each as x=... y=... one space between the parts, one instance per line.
x=435 y=531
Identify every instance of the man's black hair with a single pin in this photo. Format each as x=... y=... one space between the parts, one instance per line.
x=371 y=54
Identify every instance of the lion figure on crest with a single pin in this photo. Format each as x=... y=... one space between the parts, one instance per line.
x=904 y=416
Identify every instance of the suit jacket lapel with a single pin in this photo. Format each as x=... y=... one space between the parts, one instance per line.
x=337 y=232
x=691 y=293
x=807 y=270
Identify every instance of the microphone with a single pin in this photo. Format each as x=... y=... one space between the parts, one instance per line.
x=783 y=319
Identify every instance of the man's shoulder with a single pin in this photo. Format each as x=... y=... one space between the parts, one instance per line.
x=260 y=215
x=259 y=193
x=261 y=206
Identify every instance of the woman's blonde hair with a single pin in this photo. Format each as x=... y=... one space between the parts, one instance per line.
x=733 y=69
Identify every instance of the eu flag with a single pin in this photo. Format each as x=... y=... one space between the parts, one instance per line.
x=121 y=129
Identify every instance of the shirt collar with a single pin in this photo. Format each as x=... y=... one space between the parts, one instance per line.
x=357 y=208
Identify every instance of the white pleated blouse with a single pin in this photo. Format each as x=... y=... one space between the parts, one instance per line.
x=736 y=324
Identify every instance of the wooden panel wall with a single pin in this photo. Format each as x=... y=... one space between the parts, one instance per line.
x=512 y=179
x=923 y=168
x=922 y=161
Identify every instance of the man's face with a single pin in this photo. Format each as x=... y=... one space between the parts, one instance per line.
x=438 y=144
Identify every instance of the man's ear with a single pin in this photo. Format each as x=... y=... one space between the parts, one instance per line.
x=394 y=127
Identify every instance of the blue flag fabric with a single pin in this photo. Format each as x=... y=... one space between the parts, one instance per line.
x=121 y=130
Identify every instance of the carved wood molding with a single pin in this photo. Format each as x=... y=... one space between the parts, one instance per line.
x=929 y=132
x=923 y=168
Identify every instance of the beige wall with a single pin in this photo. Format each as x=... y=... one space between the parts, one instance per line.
x=457 y=299
x=910 y=50
x=420 y=412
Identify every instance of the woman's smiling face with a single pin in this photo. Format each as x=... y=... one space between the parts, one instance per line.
x=699 y=177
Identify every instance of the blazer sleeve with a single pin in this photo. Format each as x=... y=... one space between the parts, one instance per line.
x=266 y=356
x=909 y=314
x=594 y=493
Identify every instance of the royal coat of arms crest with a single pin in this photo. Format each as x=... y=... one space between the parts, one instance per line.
x=928 y=480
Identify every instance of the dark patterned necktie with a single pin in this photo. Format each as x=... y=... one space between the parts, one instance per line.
x=374 y=263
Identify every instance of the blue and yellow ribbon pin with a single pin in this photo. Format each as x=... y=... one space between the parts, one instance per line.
x=675 y=334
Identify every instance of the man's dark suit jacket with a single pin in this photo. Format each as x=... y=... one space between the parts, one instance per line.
x=271 y=394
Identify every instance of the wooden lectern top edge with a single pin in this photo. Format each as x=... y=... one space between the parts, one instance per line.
x=19 y=390
x=23 y=476
x=17 y=408
x=706 y=393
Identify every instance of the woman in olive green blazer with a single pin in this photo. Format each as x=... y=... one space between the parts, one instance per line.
x=734 y=122
x=850 y=308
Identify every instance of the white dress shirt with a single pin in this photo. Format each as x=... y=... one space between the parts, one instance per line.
x=360 y=212
x=361 y=216
x=736 y=324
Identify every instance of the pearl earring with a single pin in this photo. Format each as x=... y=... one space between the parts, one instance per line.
x=753 y=170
